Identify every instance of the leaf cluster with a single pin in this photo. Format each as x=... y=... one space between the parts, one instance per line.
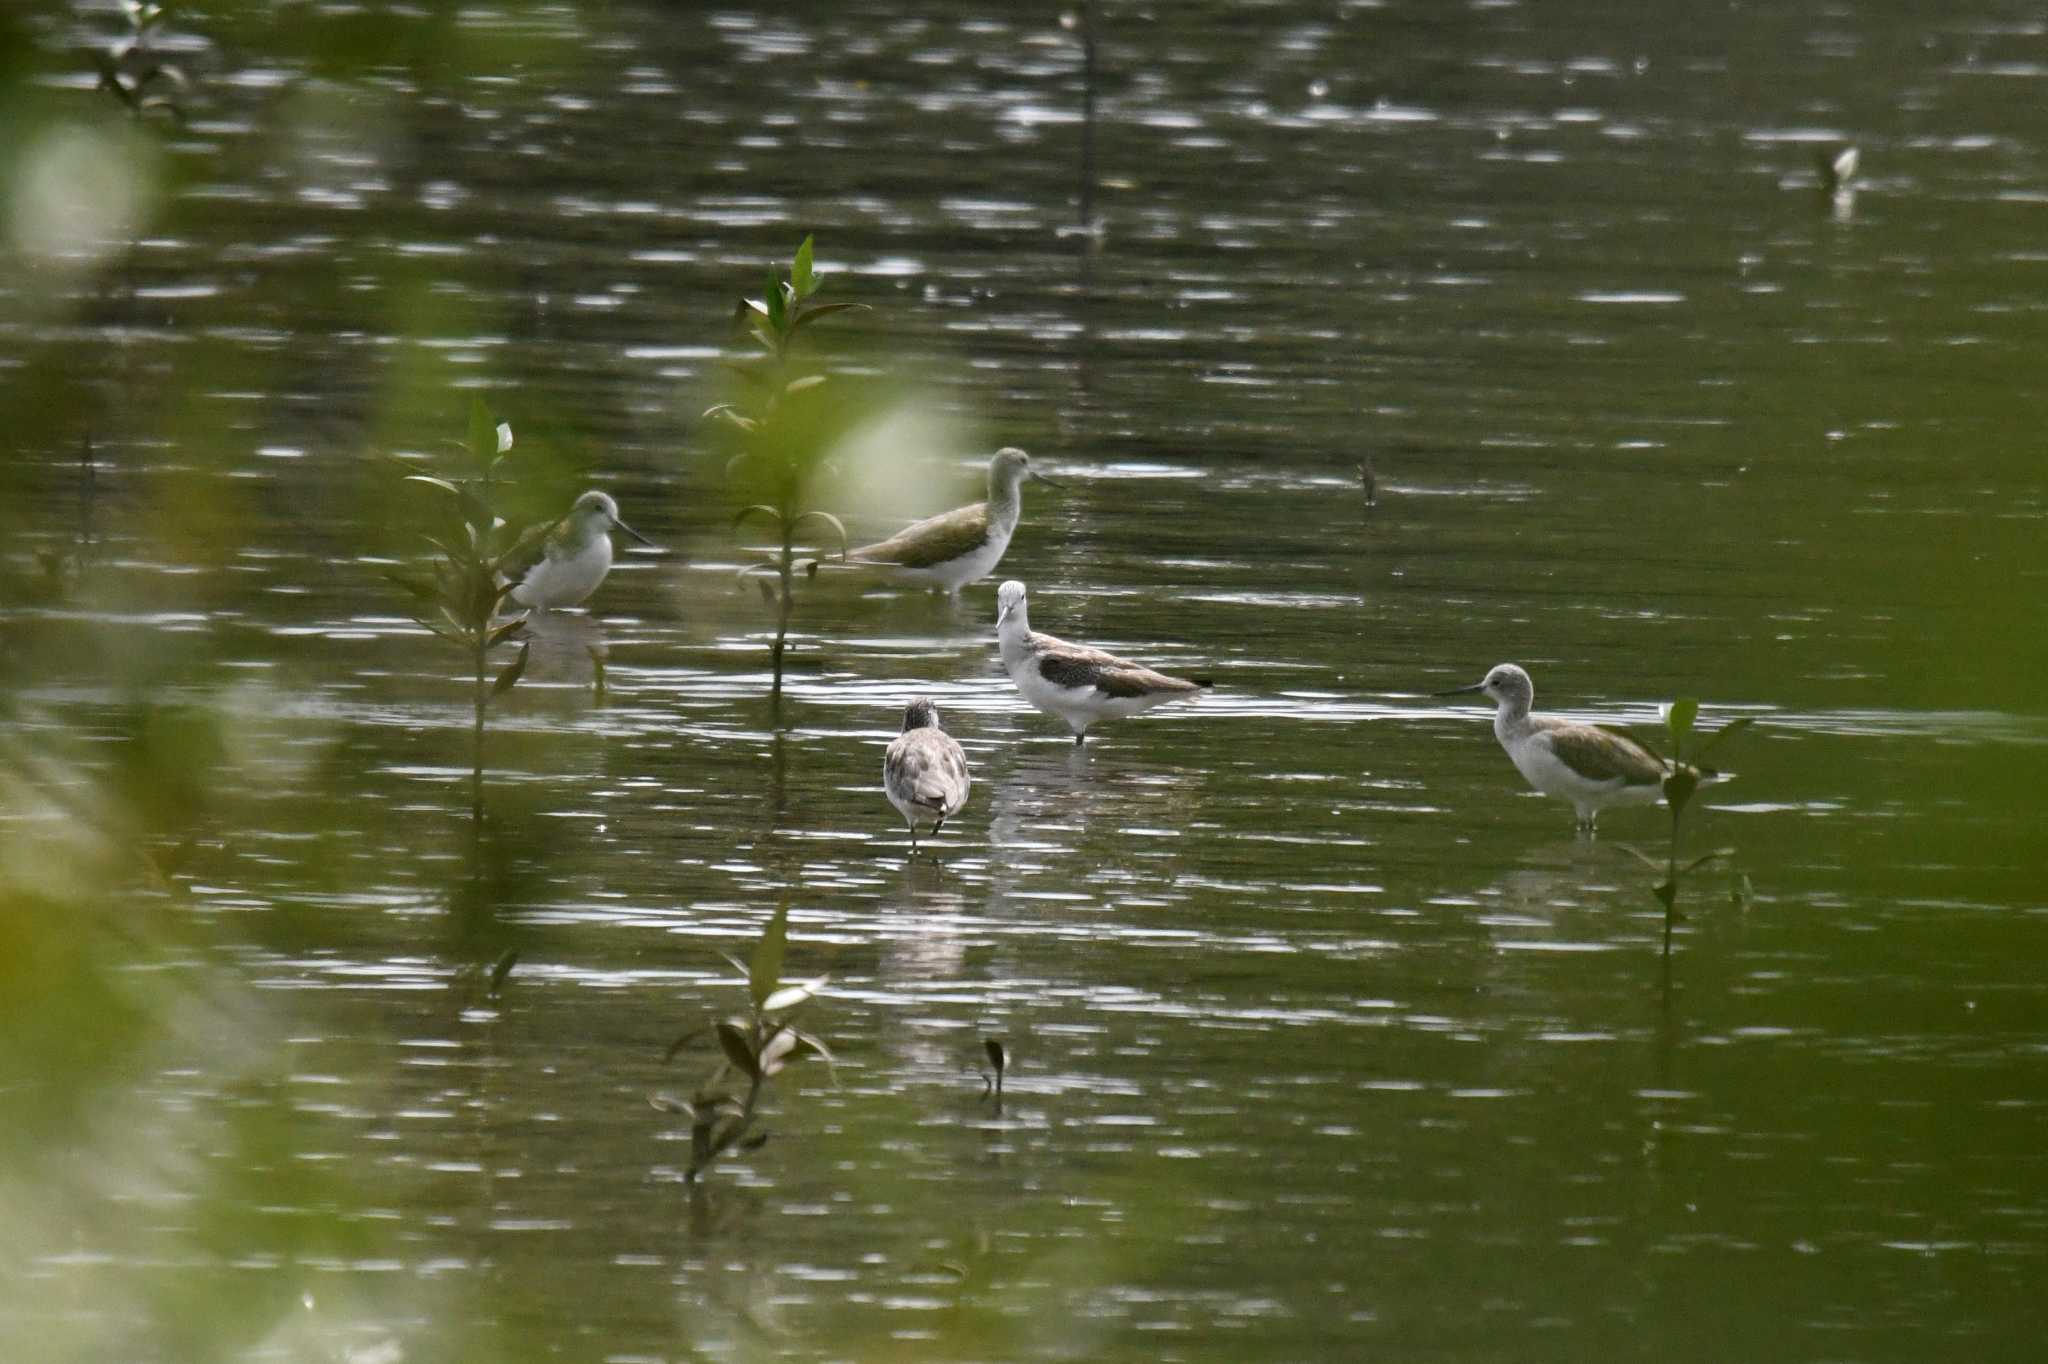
x=460 y=598
x=133 y=73
x=754 y=1045
x=784 y=410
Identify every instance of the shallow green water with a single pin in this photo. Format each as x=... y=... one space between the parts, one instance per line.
x=1330 y=1040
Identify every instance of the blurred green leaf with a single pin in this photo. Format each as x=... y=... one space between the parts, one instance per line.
x=824 y=1053
x=759 y=508
x=1678 y=720
x=765 y=972
x=790 y=996
x=738 y=1047
x=838 y=526
x=823 y=310
x=685 y=1040
x=510 y=676
x=1712 y=741
x=800 y=277
x=483 y=434
x=1707 y=857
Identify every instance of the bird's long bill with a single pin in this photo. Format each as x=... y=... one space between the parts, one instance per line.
x=1002 y=614
x=1460 y=691
x=1049 y=482
x=634 y=533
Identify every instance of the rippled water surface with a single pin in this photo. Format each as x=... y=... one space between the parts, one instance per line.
x=1329 y=1039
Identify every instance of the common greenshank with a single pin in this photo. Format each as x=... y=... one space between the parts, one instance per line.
x=962 y=546
x=1591 y=767
x=577 y=556
x=1071 y=682
x=924 y=773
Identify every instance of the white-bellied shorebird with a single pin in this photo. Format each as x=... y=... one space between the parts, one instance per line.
x=1071 y=682
x=576 y=557
x=924 y=773
x=1591 y=767
x=964 y=545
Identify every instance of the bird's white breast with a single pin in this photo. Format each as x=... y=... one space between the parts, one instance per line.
x=567 y=580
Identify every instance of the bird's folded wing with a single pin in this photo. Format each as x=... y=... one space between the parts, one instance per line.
x=931 y=541
x=1073 y=665
x=930 y=772
x=1600 y=755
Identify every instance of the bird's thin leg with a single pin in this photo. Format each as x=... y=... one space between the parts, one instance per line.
x=937 y=825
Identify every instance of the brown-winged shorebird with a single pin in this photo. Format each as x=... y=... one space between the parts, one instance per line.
x=1071 y=682
x=1591 y=767
x=964 y=545
x=924 y=773
x=576 y=557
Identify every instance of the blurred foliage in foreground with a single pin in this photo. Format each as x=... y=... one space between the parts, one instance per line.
x=159 y=1196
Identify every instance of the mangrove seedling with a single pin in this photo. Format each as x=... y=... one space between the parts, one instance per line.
x=753 y=1046
x=1688 y=770
x=460 y=601
x=787 y=415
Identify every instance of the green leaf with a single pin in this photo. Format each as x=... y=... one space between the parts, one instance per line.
x=790 y=996
x=778 y=310
x=1666 y=893
x=764 y=973
x=505 y=632
x=419 y=587
x=507 y=678
x=685 y=1040
x=800 y=277
x=810 y=315
x=1652 y=863
x=1705 y=858
x=824 y=1052
x=1735 y=726
x=1679 y=786
x=739 y=1049
x=1678 y=719
x=483 y=432
x=829 y=519
x=431 y=481
x=762 y=508
x=775 y=1051
x=997 y=1057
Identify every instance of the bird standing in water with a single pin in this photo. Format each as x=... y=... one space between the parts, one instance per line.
x=1591 y=767
x=924 y=773
x=1072 y=682
x=577 y=555
x=962 y=546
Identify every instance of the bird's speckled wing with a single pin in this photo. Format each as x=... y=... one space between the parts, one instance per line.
x=930 y=768
x=1075 y=665
x=933 y=540
x=1602 y=755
